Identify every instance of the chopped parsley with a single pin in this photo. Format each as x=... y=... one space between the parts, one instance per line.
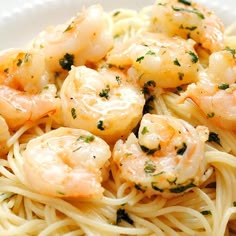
x=67 y=61
x=149 y=151
x=139 y=187
x=207 y=212
x=100 y=125
x=19 y=62
x=223 y=86
x=150 y=53
x=182 y=150
x=86 y=138
x=194 y=57
x=232 y=51
x=176 y=62
x=144 y=130
x=181 y=75
x=186 y=2
x=105 y=92
x=116 y=13
x=211 y=115
x=213 y=137
x=139 y=59
x=154 y=186
x=149 y=167
x=69 y=27
x=194 y=11
x=73 y=113
x=182 y=188
x=118 y=79
x=121 y=214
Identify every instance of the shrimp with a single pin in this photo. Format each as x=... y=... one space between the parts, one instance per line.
x=66 y=162
x=188 y=19
x=18 y=107
x=215 y=93
x=85 y=38
x=24 y=70
x=4 y=136
x=166 y=159
x=169 y=62
x=102 y=102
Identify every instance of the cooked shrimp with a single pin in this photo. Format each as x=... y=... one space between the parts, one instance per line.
x=169 y=62
x=66 y=163
x=103 y=102
x=85 y=38
x=217 y=101
x=167 y=158
x=4 y=136
x=23 y=70
x=189 y=20
x=19 y=107
x=222 y=67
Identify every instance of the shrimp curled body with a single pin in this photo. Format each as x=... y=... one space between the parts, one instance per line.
x=66 y=163
x=167 y=158
x=101 y=102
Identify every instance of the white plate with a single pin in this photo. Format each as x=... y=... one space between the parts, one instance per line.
x=22 y=22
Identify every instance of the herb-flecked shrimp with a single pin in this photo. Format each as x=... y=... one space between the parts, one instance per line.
x=167 y=158
x=66 y=163
x=102 y=102
x=168 y=62
x=188 y=19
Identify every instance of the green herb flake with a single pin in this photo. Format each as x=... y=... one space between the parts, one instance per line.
x=73 y=113
x=67 y=61
x=176 y=62
x=149 y=167
x=150 y=52
x=191 y=28
x=139 y=59
x=154 y=186
x=86 y=138
x=213 y=137
x=19 y=62
x=206 y=212
x=69 y=27
x=223 y=86
x=144 y=130
x=232 y=51
x=100 y=125
x=211 y=115
x=105 y=92
x=118 y=79
x=194 y=11
x=182 y=188
x=185 y=2
x=121 y=214
x=194 y=57
x=180 y=75
x=139 y=187
x=116 y=13
x=27 y=57
x=149 y=151
x=182 y=150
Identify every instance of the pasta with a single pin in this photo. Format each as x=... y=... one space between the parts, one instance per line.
x=96 y=77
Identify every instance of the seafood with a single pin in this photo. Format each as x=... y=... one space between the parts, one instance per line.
x=168 y=62
x=66 y=162
x=167 y=158
x=102 y=102
x=188 y=19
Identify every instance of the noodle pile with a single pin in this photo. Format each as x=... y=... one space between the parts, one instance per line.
x=124 y=210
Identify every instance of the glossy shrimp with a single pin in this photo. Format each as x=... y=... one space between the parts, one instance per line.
x=66 y=163
x=18 y=107
x=215 y=93
x=23 y=70
x=188 y=19
x=4 y=136
x=167 y=158
x=84 y=39
x=102 y=102
x=169 y=62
